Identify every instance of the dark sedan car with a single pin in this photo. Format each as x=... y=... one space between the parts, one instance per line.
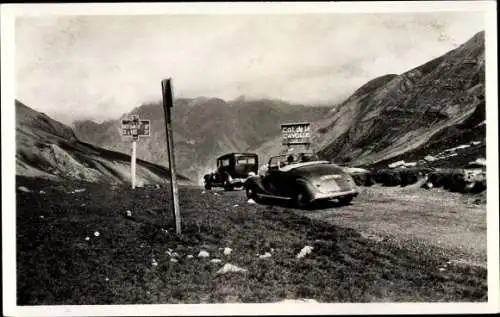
x=301 y=181
x=232 y=170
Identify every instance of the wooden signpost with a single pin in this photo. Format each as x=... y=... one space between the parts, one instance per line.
x=135 y=127
x=167 y=105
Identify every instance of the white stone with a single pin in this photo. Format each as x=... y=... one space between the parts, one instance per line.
x=227 y=268
x=227 y=251
x=80 y=190
x=189 y=256
x=430 y=158
x=129 y=213
x=24 y=189
x=174 y=260
x=87 y=238
x=300 y=301
x=203 y=254
x=215 y=260
x=97 y=233
x=251 y=201
x=42 y=192
x=305 y=251
x=265 y=255
x=396 y=164
x=235 y=205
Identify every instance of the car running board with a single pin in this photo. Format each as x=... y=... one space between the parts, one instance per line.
x=273 y=196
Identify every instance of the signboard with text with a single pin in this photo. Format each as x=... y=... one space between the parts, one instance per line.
x=296 y=133
x=136 y=127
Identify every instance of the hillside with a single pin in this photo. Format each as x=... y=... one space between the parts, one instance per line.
x=204 y=128
x=49 y=149
x=425 y=111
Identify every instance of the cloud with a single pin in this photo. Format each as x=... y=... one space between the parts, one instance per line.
x=99 y=67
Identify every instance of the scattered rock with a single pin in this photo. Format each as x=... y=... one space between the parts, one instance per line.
x=87 y=238
x=396 y=164
x=227 y=251
x=442 y=269
x=228 y=268
x=154 y=263
x=158 y=186
x=203 y=192
x=265 y=255
x=41 y=217
x=251 y=201
x=80 y=190
x=203 y=254
x=24 y=189
x=128 y=213
x=189 y=256
x=479 y=162
x=215 y=260
x=174 y=260
x=305 y=251
x=106 y=279
x=475 y=142
x=97 y=233
x=83 y=205
x=299 y=301
x=235 y=205
x=428 y=185
x=216 y=194
x=164 y=230
x=42 y=192
x=430 y=158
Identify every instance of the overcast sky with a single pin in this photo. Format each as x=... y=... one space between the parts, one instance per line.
x=99 y=67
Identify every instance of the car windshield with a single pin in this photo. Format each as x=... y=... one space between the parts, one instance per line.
x=245 y=160
x=287 y=159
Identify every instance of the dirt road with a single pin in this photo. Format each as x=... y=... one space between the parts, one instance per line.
x=451 y=223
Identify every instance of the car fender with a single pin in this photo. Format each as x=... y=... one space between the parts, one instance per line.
x=256 y=182
x=305 y=184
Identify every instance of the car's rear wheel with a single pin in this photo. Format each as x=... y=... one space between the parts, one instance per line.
x=346 y=200
x=208 y=186
x=228 y=186
x=302 y=199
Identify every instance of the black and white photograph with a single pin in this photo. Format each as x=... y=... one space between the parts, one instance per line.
x=268 y=158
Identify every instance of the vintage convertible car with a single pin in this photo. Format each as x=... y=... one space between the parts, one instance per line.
x=302 y=181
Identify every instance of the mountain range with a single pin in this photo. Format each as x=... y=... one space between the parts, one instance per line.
x=422 y=112
x=204 y=128
x=49 y=149
x=435 y=108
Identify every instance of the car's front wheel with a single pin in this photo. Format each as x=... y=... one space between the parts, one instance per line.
x=208 y=186
x=251 y=194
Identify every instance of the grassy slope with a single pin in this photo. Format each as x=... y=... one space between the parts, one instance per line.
x=56 y=265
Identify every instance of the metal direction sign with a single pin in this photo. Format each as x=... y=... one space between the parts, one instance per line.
x=136 y=127
x=296 y=133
